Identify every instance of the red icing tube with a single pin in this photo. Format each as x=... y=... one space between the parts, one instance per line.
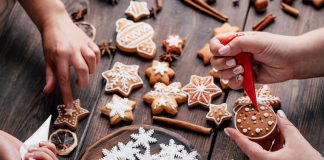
x=245 y=59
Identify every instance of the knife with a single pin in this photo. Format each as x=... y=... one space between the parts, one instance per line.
x=40 y=135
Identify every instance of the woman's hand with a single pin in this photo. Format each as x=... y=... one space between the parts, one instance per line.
x=45 y=151
x=289 y=144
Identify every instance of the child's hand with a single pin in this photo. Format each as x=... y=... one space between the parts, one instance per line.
x=274 y=55
x=65 y=46
x=45 y=151
x=289 y=143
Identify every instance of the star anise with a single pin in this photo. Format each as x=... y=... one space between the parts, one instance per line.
x=168 y=57
x=79 y=15
x=107 y=47
x=113 y=2
x=153 y=13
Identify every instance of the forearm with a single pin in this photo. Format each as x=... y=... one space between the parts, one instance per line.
x=45 y=12
x=7 y=149
x=310 y=54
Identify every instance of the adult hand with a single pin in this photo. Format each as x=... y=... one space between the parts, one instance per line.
x=45 y=151
x=289 y=144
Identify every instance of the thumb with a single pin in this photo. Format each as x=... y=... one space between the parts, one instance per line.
x=50 y=80
x=287 y=129
x=250 y=148
x=250 y=42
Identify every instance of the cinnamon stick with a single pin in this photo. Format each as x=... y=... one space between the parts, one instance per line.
x=201 y=8
x=205 y=5
x=289 y=9
x=183 y=125
x=264 y=22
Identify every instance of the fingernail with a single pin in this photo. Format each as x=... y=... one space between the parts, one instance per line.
x=215 y=70
x=231 y=62
x=226 y=131
x=224 y=50
x=238 y=70
x=281 y=114
x=41 y=143
x=30 y=149
x=239 y=78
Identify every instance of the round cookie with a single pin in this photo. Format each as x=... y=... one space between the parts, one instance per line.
x=256 y=125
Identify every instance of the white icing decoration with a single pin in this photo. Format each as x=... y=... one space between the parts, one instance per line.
x=174 y=40
x=257 y=130
x=143 y=138
x=239 y=120
x=160 y=68
x=246 y=109
x=262 y=108
x=69 y=111
x=266 y=115
x=200 y=88
x=269 y=123
x=188 y=156
x=118 y=107
x=137 y=9
x=171 y=151
x=161 y=102
x=253 y=118
x=244 y=130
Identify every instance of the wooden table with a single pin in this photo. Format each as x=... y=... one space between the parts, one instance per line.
x=22 y=77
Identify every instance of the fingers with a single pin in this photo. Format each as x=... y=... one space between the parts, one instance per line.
x=90 y=58
x=251 y=149
x=278 y=143
x=223 y=63
x=287 y=129
x=48 y=145
x=81 y=69
x=96 y=50
x=40 y=154
x=230 y=73
x=63 y=75
x=50 y=79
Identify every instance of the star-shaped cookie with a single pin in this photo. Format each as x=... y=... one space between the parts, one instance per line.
x=264 y=96
x=201 y=90
x=205 y=54
x=174 y=44
x=218 y=113
x=225 y=28
x=160 y=72
x=137 y=10
x=119 y=109
x=122 y=79
x=165 y=97
x=70 y=116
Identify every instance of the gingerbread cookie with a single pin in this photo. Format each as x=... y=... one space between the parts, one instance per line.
x=264 y=96
x=205 y=54
x=70 y=117
x=256 y=125
x=223 y=82
x=218 y=113
x=160 y=72
x=119 y=109
x=201 y=90
x=135 y=37
x=174 y=44
x=165 y=97
x=225 y=28
x=137 y=10
x=122 y=79
x=87 y=28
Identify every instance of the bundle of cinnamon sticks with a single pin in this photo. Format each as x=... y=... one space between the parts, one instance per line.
x=204 y=7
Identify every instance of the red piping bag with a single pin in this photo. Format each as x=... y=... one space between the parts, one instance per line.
x=245 y=59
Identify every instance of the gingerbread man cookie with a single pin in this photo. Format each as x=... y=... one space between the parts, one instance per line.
x=119 y=109
x=165 y=97
x=70 y=117
x=223 y=82
x=135 y=37
x=256 y=125
x=137 y=10
x=201 y=90
x=205 y=54
x=122 y=78
x=174 y=44
x=264 y=96
x=160 y=72
x=218 y=113
x=225 y=28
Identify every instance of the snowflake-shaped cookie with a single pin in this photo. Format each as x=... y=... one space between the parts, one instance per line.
x=143 y=138
x=171 y=151
x=160 y=72
x=148 y=156
x=122 y=78
x=264 y=96
x=112 y=154
x=124 y=152
x=165 y=98
x=201 y=90
x=218 y=113
x=174 y=43
x=187 y=156
x=119 y=109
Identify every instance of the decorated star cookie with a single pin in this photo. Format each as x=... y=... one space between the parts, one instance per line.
x=119 y=109
x=137 y=10
x=223 y=82
x=122 y=79
x=225 y=28
x=160 y=72
x=218 y=113
x=201 y=90
x=256 y=125
x=70 y=117
x=165 y=97
x=205 y=54
x=174 y=44
x=264 y=96
x=135 y=38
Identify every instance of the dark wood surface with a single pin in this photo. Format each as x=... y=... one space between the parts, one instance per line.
x=23 y=107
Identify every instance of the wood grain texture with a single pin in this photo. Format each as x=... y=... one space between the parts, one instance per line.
x=6 y=7
x=302 y=100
